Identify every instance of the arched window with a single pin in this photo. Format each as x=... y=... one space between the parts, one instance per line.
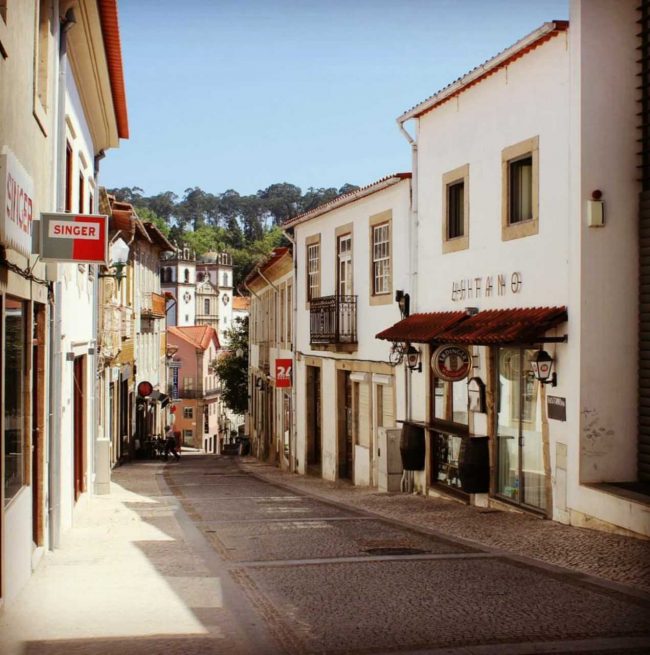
x=187 y=275
x=225 y=280
x=206 y=306
x=200 y=277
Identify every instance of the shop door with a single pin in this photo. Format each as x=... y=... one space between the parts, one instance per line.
x=520 y=459
x=79 y=398
x=344 y=406
x=313 y=418
x=38 y=424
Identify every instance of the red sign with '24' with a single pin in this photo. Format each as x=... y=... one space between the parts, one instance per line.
x=283 y=372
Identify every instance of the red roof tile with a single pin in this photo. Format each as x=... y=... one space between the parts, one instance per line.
x=198 y=336
x=495 y=326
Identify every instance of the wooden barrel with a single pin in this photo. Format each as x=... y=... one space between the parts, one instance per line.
x=474 y=465
x=412 y=447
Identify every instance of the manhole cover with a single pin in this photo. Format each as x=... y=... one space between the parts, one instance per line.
x=395 y=550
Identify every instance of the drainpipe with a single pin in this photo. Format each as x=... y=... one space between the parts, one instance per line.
x=294 y=319
x=413 y=250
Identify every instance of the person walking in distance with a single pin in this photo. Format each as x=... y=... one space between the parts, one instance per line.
x=170 y=443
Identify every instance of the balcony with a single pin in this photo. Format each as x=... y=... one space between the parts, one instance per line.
x=333 y=323
x=153 y=305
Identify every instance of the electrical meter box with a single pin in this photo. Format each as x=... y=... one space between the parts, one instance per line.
x=389 y=459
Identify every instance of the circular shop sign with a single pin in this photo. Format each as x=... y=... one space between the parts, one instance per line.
x=451 y=363
x=145 y=389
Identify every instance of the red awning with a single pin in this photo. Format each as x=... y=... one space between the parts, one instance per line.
x=421 y=328
x=495 y=326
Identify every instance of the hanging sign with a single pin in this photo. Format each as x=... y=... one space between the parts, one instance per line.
x=145 y=389
x=16 y=204
x=283 y=372
x=81 y=238
x=451 y=363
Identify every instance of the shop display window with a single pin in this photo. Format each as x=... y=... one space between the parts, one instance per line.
x=15 y=320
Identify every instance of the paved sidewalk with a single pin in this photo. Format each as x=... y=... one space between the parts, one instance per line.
x=126 y=579
x=612 y=557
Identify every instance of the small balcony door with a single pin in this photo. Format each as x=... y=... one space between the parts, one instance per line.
x=344 y=281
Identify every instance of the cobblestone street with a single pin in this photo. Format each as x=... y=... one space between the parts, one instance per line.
x=216 y=555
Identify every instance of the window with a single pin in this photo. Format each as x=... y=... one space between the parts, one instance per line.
x=520 y=192
x=455 y=209
x=81 y=193
x=68 y=177
x=206 y=306
x=188 y=437
x=200 y=277
x=15 y=455
x=187 y=275
x=381 y=260
x=188 y=384
x=91 y=206
x=225 y=280
x=344 y=260
x=313 y=267
x=289 y=312
x=188 y=412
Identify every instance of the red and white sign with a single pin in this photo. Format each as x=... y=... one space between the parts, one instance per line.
x=283 y=370
x=16 y=204
x=81 y=238
x=451 y=363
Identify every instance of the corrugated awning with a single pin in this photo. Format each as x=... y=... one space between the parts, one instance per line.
x=495 y=326
x=421 y=328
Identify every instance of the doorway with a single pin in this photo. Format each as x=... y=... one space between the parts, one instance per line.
x=520 y=457
x=344 y=424
x=38 y=424
x=79 y=427
x=313 y=420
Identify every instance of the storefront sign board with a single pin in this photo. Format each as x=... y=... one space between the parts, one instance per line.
x=16 y=203
x=81 y=238
x=283 y=372
x=556 y=408
x=451 y=363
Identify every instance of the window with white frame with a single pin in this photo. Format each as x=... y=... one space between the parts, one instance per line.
x=313 y=270
x=188 y=412
x=381 y=259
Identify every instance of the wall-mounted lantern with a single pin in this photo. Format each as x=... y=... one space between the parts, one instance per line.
x=403 y=300
x=414 y=359
x=119 y=259
x=542 y=364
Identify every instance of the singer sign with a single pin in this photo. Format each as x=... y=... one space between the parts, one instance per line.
x=79 y=238
x=16 y=203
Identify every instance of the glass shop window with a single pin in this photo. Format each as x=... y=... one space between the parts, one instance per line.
x=14 y=386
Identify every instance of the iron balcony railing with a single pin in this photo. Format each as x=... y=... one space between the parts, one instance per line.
x=333 y=320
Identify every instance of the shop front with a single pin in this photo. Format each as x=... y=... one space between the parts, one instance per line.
x=485 y=418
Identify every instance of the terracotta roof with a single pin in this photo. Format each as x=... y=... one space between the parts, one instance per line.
x=494 y=326
x=241 y=303
x=158 y=237
x=421 y=328
x=347 y=198
x=533 y=40
x=113 y=47
x=198 y=336
x=123 y=217
x=274 y=257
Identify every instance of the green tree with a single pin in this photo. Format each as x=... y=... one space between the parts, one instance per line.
x=148 y=216
x=233 y=369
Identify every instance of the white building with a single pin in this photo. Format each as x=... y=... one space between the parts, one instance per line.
x=62 y=105
x=514 y=162
x=350 y=261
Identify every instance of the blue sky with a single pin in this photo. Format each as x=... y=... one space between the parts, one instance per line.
x=239 y=94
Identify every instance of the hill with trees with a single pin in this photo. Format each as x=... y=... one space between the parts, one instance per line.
x=246 y=226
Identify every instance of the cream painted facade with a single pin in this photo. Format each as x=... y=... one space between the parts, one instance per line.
x=271 y=334
x=346 y=388
x=551 y=102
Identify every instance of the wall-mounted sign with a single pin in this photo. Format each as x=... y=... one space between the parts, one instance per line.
x=556 y=408
x=451 y=363
x=486 y=286
x=283 y=372
x=16 y=204
x=81 y=238
x=145 y=389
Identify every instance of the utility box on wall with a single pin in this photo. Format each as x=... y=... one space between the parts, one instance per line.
x=389 y=459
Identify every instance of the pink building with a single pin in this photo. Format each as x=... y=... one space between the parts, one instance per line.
x=194 y=385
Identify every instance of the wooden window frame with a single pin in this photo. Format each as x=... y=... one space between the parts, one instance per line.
x=530 y=227
x=375 y=221
x=341 y=232
x=449 y=179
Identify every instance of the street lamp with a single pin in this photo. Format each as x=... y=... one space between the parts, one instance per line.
x=542 y=364
x=119 y=259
